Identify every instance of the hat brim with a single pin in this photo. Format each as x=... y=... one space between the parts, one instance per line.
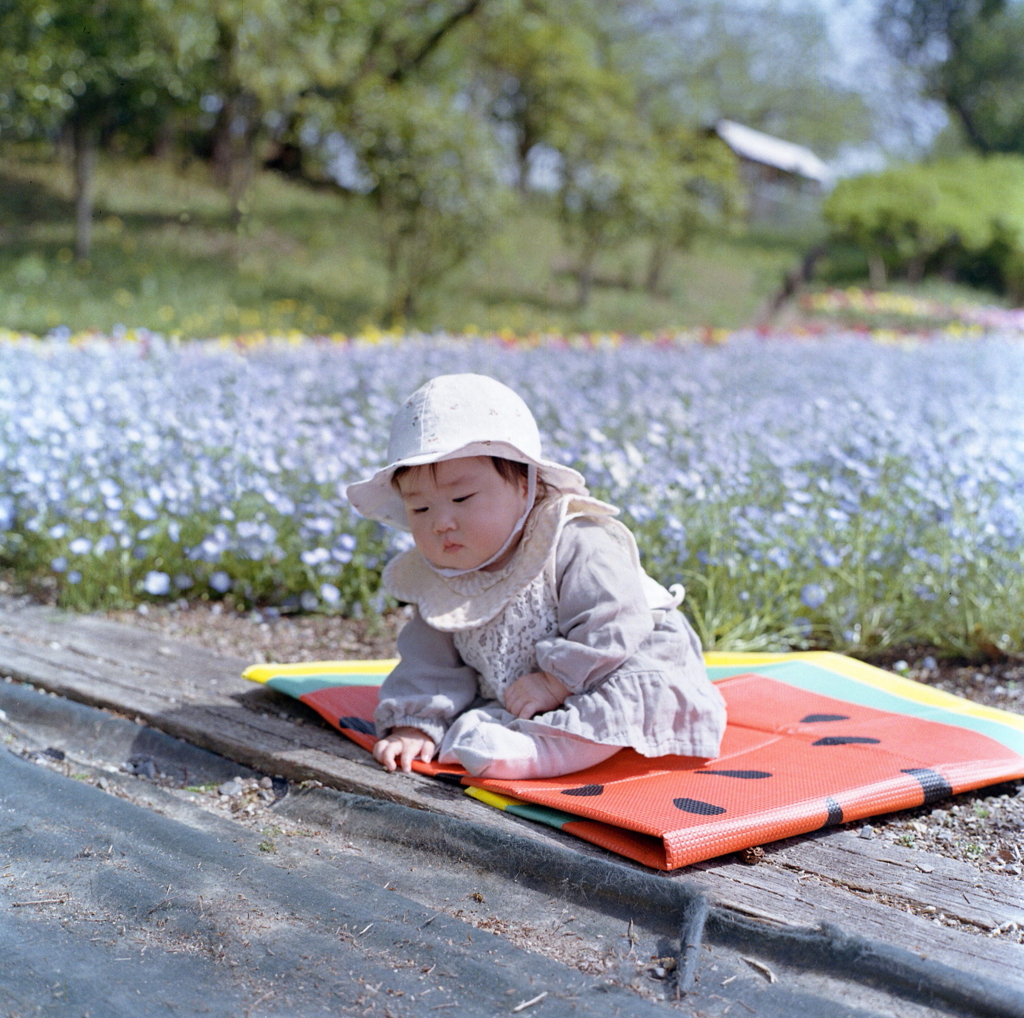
x=377 y=499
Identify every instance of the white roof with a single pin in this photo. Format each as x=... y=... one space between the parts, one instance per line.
x=763 y=148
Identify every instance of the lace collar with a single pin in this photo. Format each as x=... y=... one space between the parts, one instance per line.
x=463 y=602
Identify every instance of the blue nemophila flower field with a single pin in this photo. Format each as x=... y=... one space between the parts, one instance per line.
x=829 y=492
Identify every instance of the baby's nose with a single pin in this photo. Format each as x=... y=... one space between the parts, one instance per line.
x=443 y=522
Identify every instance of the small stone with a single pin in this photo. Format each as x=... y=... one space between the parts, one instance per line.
x=266 y=782
x=54 y=754
x=925 y=868
x=658 y=972
x=266 y=795
x=232 y=787
x=103 y=783
x=142 y=609
x=929 y=664
x=3 y=715
x=752 y=856
x=901 y=666
x=867 y=832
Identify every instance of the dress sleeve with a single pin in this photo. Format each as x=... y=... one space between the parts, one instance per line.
x=429 y=687
x=603 y=616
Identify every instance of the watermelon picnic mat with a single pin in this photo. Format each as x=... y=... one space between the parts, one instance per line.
x=813 y=739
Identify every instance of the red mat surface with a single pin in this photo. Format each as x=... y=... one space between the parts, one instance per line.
x=813 y=740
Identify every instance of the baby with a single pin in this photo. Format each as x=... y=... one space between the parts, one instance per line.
x=538 y=646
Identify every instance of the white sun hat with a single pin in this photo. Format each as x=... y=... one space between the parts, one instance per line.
x=453 y=416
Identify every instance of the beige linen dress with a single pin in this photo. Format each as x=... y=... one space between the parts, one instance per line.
x=573 y=601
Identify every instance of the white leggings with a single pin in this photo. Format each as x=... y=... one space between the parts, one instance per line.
x=483 y=743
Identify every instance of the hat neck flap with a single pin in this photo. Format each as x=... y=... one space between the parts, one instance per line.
x=472 y=598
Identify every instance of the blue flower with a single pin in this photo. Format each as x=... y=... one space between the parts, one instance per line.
x=156 y=583
x=813 y=595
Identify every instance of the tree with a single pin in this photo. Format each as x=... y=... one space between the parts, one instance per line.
x=970 y=54
x=765 y=63
x=693 y=185
x=276 y=70
x=436 y=175
x=89 y=66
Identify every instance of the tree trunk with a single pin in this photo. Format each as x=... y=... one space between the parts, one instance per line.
x=655 y=266
x=876 y=270
x=85 y=166
x=400 y=297
x=584 y=281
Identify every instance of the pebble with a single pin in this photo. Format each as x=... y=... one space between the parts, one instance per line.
x=141 y=766
x=266 y=782
x=103 y=783
x=3 y=715
x=867 y=832
x=232 y=787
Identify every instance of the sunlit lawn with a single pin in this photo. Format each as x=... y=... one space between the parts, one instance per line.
x=166 y=257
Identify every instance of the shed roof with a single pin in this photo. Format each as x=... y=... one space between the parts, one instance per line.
x=764 y=148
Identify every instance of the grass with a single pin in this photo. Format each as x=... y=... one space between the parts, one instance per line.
x=166 y=257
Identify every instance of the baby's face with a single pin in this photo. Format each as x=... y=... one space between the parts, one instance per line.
x=461 y=513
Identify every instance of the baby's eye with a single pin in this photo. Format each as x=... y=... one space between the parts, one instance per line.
x=420 y=509
x=463 y=498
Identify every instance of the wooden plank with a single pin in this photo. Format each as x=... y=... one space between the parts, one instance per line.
x=919 y=878
x=782 y=895
x=199 y=696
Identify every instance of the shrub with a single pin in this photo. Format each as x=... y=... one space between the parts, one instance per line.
x=961 y=217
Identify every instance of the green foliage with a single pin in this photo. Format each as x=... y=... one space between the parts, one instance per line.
x=57 y=66
x=766 y=64
x=435 y=173
x=971 y=56
x=963 y=215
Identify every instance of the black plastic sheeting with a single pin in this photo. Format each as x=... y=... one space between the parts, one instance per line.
x=144 y=915
x=630 y=892
x=138 y=913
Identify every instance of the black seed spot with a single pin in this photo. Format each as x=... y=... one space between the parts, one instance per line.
x=814 y=718
x=835 y=813
x=845 y=740
x=934 y=784
x=357 y=725
x=584 y=790
x=448 y=779
x=749 y=775
x=704 y=809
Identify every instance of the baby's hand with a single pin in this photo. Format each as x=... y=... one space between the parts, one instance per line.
x=535 y=693
x=401 y=746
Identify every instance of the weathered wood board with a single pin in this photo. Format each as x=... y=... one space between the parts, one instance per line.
x=870 y=887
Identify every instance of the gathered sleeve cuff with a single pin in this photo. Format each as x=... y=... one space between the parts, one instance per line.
x=603 y=614
x=429 y=687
